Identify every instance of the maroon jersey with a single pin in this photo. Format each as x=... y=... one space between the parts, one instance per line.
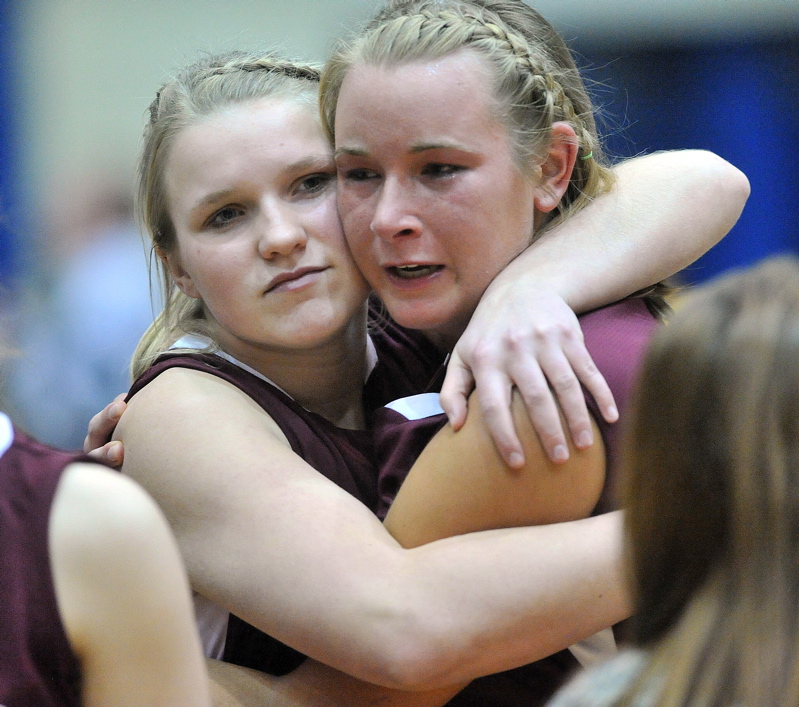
x=345 y=457
x=37 y=665
x=616 y=337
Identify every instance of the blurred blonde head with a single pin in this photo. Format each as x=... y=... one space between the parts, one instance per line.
x=712 y=495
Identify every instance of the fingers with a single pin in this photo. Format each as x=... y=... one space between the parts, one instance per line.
x=102 y=425
x=495 y=391
x=111 y=453
x=458 y=384
x=589 y=375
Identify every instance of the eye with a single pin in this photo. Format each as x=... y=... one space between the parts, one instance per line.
x=440 y=169
x=225 y=216
x=314 y=183
x=359 y=174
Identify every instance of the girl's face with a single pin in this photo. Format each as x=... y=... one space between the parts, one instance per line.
x=432 y=203
x=251 y=193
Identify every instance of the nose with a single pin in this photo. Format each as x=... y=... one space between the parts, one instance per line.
x=282 y=232
x=394 y=215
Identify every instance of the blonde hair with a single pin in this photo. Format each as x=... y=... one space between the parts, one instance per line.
x=712 y=496
x=536 y=82
x=199 y=90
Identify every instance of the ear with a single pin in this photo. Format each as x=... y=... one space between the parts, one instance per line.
x=556 y=170
x=179 y=276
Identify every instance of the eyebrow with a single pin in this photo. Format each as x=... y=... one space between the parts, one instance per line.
x=415 y=148
x=209 y=199
x=313 y=162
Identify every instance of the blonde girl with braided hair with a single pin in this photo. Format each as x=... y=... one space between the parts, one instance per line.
x=462 y=133
x=240 y=425
x=246 y=423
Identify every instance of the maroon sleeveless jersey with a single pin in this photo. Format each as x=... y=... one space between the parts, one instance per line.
x=616 y=337
x=37 y=665
x=344 y=456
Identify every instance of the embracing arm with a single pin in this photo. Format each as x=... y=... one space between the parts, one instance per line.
x=665 y=211
x=123 y=595
x=271 y=539
x=311 y=685
x=459 y=483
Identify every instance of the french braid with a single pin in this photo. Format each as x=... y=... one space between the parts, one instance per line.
x=536 y=80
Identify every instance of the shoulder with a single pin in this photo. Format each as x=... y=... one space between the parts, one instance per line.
x=603 y=684
x=629 y=320
x=97 y=511
x=192 y=398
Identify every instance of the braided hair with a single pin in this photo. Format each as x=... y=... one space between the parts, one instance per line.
x=199 y=89
x=536 y=82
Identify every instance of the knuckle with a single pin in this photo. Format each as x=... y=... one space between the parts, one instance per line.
x=565 y=382
x=537 y=396
x=589 y=369
x=483 y=354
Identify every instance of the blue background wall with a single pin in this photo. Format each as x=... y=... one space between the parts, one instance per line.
x=9 y=147
x=740 y=100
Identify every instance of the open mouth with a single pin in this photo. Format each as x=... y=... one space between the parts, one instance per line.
x=411 y=272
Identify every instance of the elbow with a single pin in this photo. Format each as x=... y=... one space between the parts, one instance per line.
x=729 y=191
x=415 y=653
x=736 y=186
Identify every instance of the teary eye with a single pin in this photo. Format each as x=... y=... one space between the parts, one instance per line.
x=440 y=169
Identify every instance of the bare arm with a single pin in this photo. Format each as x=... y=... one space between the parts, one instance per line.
x=123 y=595
x=459 y=484
x=666 y=210
x=271 y=539
x=310 y=685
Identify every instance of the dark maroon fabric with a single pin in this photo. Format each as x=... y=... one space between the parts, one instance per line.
x=407 y=363
x=616 y=337
x=37 y=665
x=343 y=456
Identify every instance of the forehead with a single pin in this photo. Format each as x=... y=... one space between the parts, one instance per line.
x=451 y=94
x=262 y=125
x=245 y=140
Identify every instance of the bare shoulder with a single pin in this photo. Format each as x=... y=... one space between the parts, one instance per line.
x=122 y=592
x=190 y=399
x=95 y=509
x=104 y=531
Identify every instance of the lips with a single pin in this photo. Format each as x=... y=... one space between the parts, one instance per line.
x=413 y=272
x=285 y=279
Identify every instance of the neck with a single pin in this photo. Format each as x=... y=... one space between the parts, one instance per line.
x=326 y=379
x=446 y=337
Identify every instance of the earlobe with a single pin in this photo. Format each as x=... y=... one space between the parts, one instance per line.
x=180 y=277
x=556 y=170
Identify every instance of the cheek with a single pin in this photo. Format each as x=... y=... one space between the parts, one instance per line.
x=357 y=231
x=327 y=224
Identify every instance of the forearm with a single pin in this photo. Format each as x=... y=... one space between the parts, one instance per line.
x=666 y=210
x=311 y=685
x=453 y=610
x=568 y=583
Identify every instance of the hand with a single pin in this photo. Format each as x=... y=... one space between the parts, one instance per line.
x=531 y=342
x=101 y=427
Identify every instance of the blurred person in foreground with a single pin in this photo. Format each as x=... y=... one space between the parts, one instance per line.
x=712 y=504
